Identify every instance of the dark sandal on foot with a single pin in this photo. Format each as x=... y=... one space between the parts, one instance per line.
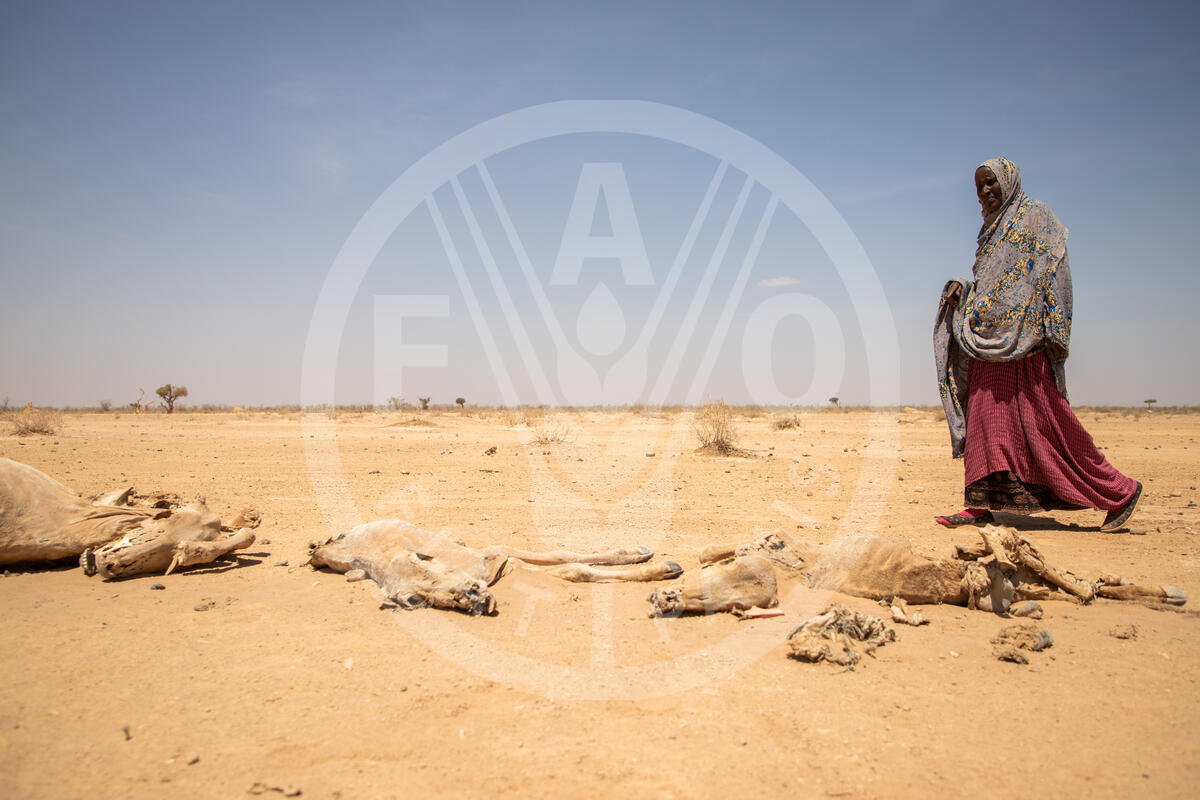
x=1116 y=519
x=954 y=520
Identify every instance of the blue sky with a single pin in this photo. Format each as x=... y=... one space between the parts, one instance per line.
x=177 y=181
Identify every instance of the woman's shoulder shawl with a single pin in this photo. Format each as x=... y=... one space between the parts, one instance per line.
x=1020 y=300
x=1022 y=294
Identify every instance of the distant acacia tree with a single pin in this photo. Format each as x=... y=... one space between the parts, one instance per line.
x=835 y=401
x=461 y=401
x=1151 y=401
x=424 y=401
x=170 y=395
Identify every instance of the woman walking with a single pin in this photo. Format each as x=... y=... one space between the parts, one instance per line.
x=1000 y=342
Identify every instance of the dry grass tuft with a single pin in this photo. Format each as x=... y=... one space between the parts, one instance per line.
x=553 y=432
x=714 y=428
x=36 y=422
x=787 y=423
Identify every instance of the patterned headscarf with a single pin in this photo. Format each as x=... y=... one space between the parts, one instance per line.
x=1008 y=175
x=1019 y=301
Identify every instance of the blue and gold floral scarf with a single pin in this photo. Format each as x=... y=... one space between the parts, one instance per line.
x=1018 y=302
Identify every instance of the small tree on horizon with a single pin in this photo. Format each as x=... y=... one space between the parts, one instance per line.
x=424 y=401
x=460 y=401
x=170 y=395
x=835 y=402
x=1151 y=401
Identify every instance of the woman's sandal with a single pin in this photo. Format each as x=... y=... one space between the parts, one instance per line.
x=1119 y=517
x=963 y=518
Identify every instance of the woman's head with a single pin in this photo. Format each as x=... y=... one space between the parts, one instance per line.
x=997 y=181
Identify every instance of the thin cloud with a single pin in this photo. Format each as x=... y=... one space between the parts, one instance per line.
x=782 y=280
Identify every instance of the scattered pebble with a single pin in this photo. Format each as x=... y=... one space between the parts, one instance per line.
x=125 y=730
x=192 y=758
x=157 y=587
x=283 y=562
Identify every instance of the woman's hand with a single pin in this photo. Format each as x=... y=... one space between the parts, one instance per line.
x=953 y=293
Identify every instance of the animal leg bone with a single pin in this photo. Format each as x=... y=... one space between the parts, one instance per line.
x=1171 y=595
x=618 y=556
x=585 y=573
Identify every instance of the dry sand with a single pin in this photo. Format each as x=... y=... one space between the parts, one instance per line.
x=296 y=679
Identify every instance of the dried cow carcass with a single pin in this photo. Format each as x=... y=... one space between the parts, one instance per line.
x=417 y=568
x=1005 y=568
x=41 y=520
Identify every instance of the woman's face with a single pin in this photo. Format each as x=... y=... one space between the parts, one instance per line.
x=991 y=196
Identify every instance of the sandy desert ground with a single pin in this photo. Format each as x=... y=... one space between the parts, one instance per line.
x=291 y=679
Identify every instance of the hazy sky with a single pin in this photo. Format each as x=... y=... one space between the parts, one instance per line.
x=176 y=183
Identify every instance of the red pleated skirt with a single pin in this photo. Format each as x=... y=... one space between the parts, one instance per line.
x=1026 y=450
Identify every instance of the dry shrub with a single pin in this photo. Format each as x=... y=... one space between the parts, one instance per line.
x=553 y=432
x=714 y=427
x=514 y=417
x=38 y=421
x=787 y=423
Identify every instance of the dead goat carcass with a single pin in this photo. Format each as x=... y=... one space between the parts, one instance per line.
x=417 y=568
x=43 y=521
